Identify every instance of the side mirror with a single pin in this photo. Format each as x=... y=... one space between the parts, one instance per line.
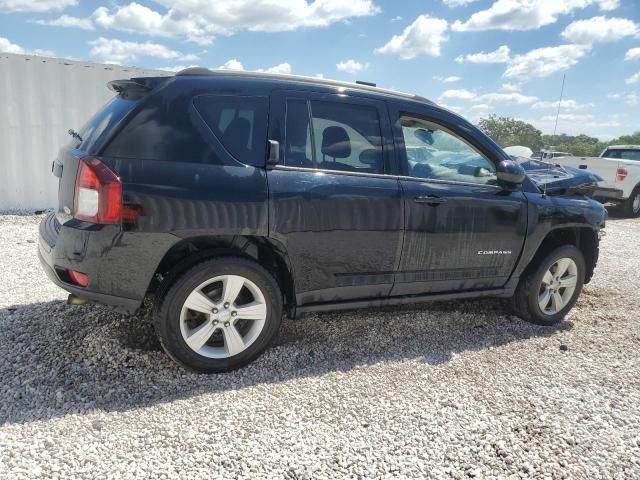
x=510 y=174
x=274 y=153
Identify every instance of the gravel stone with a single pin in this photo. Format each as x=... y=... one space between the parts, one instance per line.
x=444 y=390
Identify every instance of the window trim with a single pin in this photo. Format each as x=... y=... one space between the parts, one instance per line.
x=335 y=172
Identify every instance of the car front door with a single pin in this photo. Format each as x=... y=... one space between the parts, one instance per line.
x=462 y=231
x=331 y=203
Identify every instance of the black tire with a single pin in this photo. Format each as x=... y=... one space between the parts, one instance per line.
x=525 y=300
x=627 y=206
x=168 y=308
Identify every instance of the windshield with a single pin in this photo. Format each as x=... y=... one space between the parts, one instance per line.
x=623 y=153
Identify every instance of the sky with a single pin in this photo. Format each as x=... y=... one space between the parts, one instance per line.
x=476 y=57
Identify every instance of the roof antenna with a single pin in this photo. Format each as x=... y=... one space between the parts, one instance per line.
x=555 y=129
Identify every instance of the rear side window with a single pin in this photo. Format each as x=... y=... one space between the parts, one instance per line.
x=623 y=154
x=163 y=130
x=335 y=136
x=103 y=121
x=239 y=123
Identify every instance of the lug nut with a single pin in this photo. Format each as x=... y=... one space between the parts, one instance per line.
x=226 y=305
x=233 y=314
x=215 y=322
x=215 y=310
x=226 y=324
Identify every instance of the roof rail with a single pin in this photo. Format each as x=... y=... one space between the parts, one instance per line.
x=371 y=87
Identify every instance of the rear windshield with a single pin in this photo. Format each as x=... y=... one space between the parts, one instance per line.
x=102 y=122
x=623 y=153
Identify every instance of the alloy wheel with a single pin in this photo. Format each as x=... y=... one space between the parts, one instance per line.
x=558 y=286
x=223 y=316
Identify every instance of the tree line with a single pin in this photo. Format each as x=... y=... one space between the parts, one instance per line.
x=507 y=131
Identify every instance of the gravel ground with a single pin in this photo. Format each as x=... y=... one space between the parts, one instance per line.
x=443 y=390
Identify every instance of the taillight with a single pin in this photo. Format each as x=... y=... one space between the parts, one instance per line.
x=98 y=196
x=621 y=174
x=78 y=278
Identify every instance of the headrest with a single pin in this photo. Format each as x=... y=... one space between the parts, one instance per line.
x=335 y=142
x=371 y=156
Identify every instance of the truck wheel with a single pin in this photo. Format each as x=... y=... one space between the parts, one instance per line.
x=631 y=206
x=219 y=315
x=547 y=293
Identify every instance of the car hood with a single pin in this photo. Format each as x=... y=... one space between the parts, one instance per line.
x=560 y=180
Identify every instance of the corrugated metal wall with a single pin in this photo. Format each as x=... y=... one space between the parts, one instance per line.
x=40 y=99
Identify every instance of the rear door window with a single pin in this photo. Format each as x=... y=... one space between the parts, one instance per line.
x=239 y=123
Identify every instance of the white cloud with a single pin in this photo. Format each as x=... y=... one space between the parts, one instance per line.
x=424 y=36
x=396 y=18
x=8 y=47
x=449 y=79
x=282 y=68
x=573 y=124
x=501 y=55
x=232 y=64
x=630 y=98
x=570 y=117
x=351 y=66
x=118 y=51
x=525 y=14
x=201 y=20
x=34 y=5
x=457 y=3
x=68 y=21
x=511 y=98
x=511 y=87
x=600 y=29
x=481 y=106
x=542 y=62
x=632 y=54
x=633 y=79
x=567 y=104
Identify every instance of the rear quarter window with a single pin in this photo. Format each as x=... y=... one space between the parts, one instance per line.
x=239 y=123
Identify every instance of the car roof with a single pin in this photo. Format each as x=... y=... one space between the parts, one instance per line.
x=361 y=86
x=627 y=147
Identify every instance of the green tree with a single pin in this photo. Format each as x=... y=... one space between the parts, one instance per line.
x=507 y=132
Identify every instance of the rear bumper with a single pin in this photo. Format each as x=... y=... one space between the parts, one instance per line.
x=121 y=304
x=120 y=265
x=608 y=194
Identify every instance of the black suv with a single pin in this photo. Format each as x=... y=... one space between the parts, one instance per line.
x=229 y=199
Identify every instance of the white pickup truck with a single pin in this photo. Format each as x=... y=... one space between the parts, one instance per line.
x=619 y=166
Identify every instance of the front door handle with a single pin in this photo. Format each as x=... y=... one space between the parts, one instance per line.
x=432 y=200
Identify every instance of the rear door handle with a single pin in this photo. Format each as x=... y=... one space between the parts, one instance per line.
x=582 y=167
x=430 y=200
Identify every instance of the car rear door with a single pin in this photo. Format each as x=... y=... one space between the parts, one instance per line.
x=462 y=231
x=332 y=205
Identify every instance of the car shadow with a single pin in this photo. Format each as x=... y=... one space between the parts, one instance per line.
x=59 y=360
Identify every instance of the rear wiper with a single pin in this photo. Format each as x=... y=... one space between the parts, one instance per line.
x=74 y=134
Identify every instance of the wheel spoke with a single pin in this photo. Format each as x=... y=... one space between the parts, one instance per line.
x=563 y=265
x=200 y=336
x=233 y=341
x=231 y=288
x=548 y=278
x=199 y=302
x=543 y=299
x=557 y=302
x=252 y=311
x=568 y=281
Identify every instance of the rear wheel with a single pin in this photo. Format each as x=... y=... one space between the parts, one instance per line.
x=631 y=206
x=547 y=293
x=219 y=315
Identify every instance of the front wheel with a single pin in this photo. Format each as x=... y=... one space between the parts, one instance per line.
x=547 y=293
x=220 y=315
